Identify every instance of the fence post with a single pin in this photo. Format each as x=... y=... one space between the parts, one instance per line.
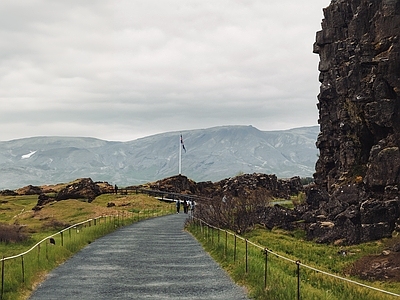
x=234 y=251
x=62 y=238
x=265 y=268
x=226 y=242
x=2 y=278
x=23 y=268
x=298 y=279
x=247 y=264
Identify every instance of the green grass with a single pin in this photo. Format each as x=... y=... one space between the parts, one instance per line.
x=293 y=245
x=22 y=274
x=281 y=273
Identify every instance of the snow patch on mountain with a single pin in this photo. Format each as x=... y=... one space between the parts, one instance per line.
x=26 y=156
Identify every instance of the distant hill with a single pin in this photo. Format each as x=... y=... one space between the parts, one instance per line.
x=212 y=154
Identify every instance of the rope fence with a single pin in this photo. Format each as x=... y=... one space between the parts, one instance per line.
x=300 y=268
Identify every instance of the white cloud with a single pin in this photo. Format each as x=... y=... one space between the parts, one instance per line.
x=134 y=68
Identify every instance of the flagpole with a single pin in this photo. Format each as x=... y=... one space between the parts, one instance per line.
x=180 y=156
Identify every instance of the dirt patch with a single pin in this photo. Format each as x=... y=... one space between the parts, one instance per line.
x=383 y=267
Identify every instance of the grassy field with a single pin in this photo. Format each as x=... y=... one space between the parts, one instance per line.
x=282 y=276
x=16 y=213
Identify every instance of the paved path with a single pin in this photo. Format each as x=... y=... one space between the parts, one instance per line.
x=153 y=259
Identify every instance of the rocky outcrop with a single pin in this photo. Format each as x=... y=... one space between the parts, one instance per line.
x=105 y=187
x=43 y=199
x=29 y=190
x=83 y=188
x=358 y=171
x=176 y=184
x=278 y=216
x=245 y=184
x=238 y=186
x=8 y=193
x=36 y=190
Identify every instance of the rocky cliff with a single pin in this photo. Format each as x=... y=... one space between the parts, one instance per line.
x=358 y=171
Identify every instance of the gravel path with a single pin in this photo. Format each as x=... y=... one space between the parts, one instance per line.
x=152 y=259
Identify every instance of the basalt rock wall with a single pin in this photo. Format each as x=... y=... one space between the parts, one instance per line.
x=238 y=186
x=357 y=177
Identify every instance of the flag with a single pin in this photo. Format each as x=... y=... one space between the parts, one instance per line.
x=183 y=146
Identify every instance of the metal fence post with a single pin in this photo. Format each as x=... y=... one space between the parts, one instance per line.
x=23 y=268
x=234 y=250
x=265 y=268
x=226 y=242
x=2 y=278
x=247 y=260
x=298 y=279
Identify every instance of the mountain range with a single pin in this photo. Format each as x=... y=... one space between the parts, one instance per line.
x=211 y=154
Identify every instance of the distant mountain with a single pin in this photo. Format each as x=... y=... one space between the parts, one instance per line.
x=212 y=154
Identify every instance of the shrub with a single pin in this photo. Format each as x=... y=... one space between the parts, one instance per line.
x=12 y=233
x=239 y=214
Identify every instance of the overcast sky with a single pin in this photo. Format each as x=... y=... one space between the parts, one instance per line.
x=124 y=69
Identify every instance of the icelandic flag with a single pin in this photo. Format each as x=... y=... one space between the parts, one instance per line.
x=183 y=146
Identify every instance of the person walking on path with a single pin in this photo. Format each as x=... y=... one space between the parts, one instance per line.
x=185 y=206
x=192 y=207
x=146 y=260
x=178 y=206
